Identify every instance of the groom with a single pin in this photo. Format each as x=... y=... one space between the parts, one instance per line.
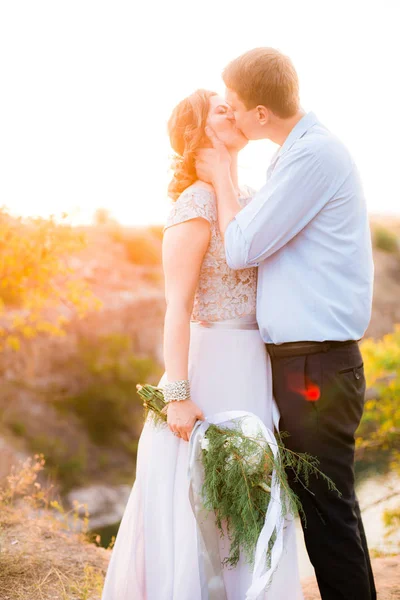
x=307 y=231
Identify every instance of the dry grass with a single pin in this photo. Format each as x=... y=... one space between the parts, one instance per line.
x=42 y=557
x=44 y=554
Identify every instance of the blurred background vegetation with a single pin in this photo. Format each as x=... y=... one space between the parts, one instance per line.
x=81 y=318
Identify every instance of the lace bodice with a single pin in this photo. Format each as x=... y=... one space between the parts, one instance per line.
x=222 y=293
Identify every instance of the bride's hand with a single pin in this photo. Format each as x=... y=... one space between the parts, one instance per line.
x=181 y=417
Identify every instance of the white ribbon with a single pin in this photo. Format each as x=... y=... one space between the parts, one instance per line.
x=209 y=560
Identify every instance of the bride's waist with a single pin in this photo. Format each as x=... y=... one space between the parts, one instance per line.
x=245 y=322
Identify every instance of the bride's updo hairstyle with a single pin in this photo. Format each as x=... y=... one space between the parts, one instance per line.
x=186 y=133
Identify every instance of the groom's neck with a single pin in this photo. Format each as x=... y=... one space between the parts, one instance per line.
x=279 y=129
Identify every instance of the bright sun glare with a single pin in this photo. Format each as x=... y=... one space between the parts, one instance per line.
x=88 y=88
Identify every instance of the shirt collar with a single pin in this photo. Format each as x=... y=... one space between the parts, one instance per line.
x=297 y=132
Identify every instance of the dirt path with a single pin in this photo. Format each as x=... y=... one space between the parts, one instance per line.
x=387 y=577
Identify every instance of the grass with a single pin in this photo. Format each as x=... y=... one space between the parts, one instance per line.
x=44 y=553
x=43 y=563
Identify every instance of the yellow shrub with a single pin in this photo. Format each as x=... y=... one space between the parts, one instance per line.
x=35 y=276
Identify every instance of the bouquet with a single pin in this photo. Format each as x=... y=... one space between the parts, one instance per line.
x=239 y=465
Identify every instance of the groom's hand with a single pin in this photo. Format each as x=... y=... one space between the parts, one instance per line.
x=212 y=162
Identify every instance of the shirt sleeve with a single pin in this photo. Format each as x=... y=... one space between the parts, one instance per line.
x=295 y=193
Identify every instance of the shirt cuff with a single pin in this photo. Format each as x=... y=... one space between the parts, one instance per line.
x=236 y=247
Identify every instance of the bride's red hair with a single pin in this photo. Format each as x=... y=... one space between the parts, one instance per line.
x=186 y=133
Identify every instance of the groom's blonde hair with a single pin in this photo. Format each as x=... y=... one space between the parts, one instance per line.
x=266 y=77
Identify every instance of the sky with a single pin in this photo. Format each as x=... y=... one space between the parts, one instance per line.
x=88 y=86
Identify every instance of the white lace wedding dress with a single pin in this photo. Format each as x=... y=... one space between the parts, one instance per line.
x=155 y=556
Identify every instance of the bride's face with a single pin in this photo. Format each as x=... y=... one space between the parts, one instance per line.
x=222 y=121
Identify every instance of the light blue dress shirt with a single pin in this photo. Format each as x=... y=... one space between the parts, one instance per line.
x=307 y=230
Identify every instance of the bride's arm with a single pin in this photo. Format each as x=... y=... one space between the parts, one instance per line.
x=184 y=247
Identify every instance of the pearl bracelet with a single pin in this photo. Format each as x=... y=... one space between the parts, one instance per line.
x=177 y=391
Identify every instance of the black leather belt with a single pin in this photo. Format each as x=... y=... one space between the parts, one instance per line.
x=301 y=348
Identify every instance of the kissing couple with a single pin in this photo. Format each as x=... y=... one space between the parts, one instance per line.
x=268 y=294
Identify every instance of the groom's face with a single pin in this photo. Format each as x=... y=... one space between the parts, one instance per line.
x=246 y=120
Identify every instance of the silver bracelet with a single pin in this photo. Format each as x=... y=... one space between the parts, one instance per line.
x=177 y=391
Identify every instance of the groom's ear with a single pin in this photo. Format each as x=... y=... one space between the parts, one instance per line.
x=262 y=115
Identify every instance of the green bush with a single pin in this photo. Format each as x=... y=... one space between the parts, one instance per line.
x=380 y=426
x=385 y=240
x=35 y=275
x=107 y=405
x=18 y=428
x=378 y=437
x=67 y=468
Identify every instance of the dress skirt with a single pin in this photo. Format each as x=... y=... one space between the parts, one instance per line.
x=155 y=556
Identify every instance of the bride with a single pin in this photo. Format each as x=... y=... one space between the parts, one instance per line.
x=215 y=360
